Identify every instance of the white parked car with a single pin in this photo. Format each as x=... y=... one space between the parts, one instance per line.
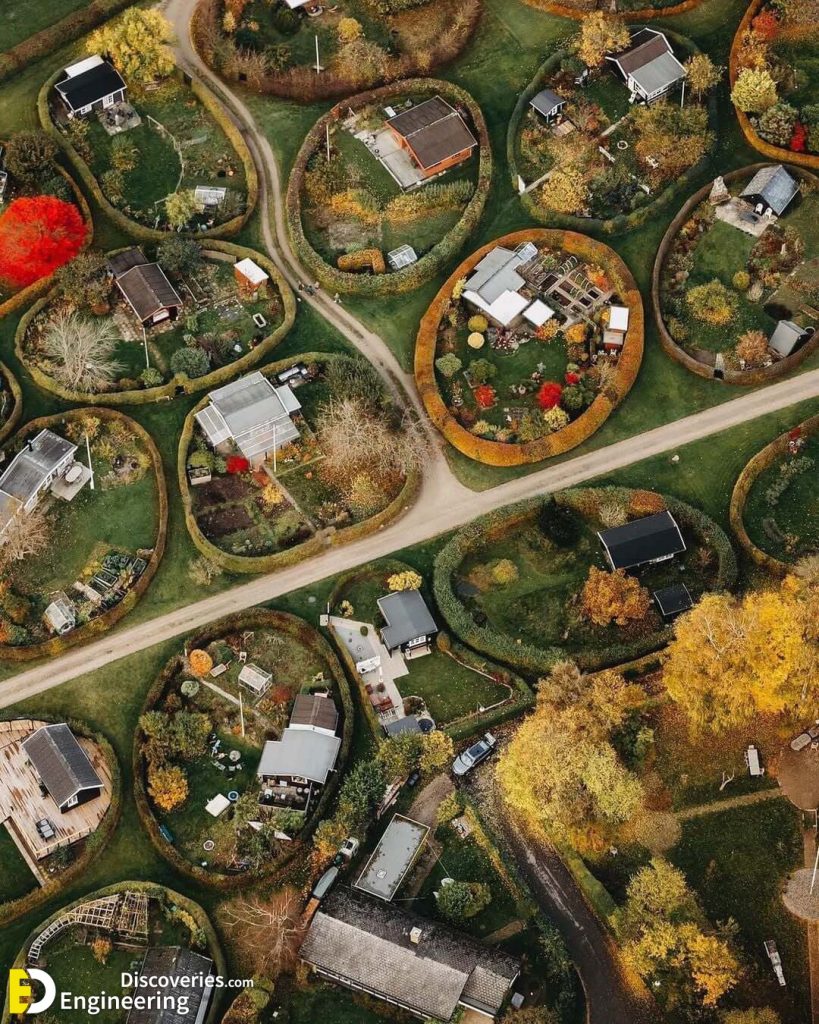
x=474 y=755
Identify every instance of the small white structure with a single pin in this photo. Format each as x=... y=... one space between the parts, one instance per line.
x=45 y=459
x=209 y=197
x=218 y=805
x=255 y=679
x=755 y=768
x=403 y=256
x=61 y=615
x=788 y=337
x=614 y=335
x=538 y=313
x=250 y=277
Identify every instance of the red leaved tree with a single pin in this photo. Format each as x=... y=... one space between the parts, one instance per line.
x=37 y=235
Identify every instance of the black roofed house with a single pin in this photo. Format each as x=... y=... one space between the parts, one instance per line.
x=410 y=626
x=548 y=104
x=422 y=966
x=144 y=287
x=185 y=996
x=648 y=66
x=90 y=84
x=62 y=766
x=771 y=191
x=434 y=134
x=673 y=600
x=643 y=541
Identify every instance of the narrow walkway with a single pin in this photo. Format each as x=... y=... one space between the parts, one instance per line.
x=809 y=847
x=715 y=806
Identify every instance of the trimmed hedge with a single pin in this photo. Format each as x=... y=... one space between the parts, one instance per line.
x=647 y=14
x=319 y=541
x=753 y=376
x=189 y=385
x=495 y=453
x=9 y=383
x=256 y=618
x=38 y=288
x=742 y=488
x=99 y=839
x=116 y=216
x=621 y=222
x=57 y=645
x=777 y=153
x=301 y=83
x=151 y=889
x=432 y=262
x=529 y=657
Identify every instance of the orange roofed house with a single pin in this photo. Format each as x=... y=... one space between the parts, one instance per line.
x=435 y=136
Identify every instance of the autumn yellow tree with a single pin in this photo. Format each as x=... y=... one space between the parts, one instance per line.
x=566 y=190
x=137 y=44
x=613 y=597
x=168 y=786
x=754 y=91
x=703 y=74
x=602 y=33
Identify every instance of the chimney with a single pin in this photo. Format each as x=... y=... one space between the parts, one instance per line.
x=415 y=936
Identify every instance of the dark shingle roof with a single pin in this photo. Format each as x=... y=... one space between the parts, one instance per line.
x=673 y=600
x=367 y=942
x=91 y=86
x=60 y=762
x=643 y=540
x=776 y=187
x=126 y=260
x=173 y=962
x=433 y=130
x=312 y=710
x=148 y=290
x=407 y=618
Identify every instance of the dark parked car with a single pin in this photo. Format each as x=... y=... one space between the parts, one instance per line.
x=472 y=756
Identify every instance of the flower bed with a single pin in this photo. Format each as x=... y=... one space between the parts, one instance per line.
x=653 y=152
x=194 y=352
x=772 y=70
x=101 y=549
x=715 y=285
x=11 y=402
x=557 y=404
x=300 y=660
x=773 y=505
x=436 y=251
x=536 y=618
x=273 y=50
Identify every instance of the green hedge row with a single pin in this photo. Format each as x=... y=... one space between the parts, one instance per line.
x=256 y=618
x=622 y=222
x=142 y=396
x=92 y=846
x=117 y=217
x=9 y=383
x=440 y=255
x=529 y=657
x=57 y=645
x=319 y=541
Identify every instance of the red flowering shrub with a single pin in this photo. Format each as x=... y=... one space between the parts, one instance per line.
x=572 y=378
x=37 y=235
x=549 y=395
x=485 y=396
x=799 y=138
x=766 y=25
x=237 y=464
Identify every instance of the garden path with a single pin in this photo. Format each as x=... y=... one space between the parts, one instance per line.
x=716 y=806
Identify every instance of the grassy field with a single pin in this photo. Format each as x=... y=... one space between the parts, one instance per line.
x=16 y=878
x=22 y=19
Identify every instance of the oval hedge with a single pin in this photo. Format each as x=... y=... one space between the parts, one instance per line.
x=576 y=13
x=528 y=657
x=116 y=216
x=92 y=846
x=443 y=252
x=189 y=385
x=753 y=376
x=154 y=890
x=742 y=488
x=623 y=221
x=495 y=453
x=255 y=618
x=8 y=382
x=777 y=153
x=321 y=539
x=56 y=645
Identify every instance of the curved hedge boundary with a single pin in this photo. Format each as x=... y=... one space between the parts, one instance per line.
x=306 y=86
x=57 y=645
x=153 y=889
x=439 y=255
x=647 y=14
x=13 y=418
x=320 y=540
x=742 y=488
x=38 y=288
x=776 y=153
x=502 y=647
x=121 y=220
x=93 y=845
x=67 y=29
x=495 y=453
x=189 y=385
x=758 y=375
x=624 y=221
x=258 y=618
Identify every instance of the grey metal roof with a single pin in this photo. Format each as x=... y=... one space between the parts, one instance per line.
x=660 y=73
x=33 y=465
x=546 y=102
x=60 y=761
x=786 y=337
x=643 y=540
x=9 y=508
x=774 y=185
x=496 y=273
x=407 y=618
x=366 y=943
x=253 y=412
x=300 y=753
x=392 y=858
x=173 y=962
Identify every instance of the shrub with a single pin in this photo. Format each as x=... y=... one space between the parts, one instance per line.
x=189 y=688
x=754 y=91
x=168 y=786
x=559 y=523
x=504 y=572
x=200 y=662
x=741 y=280
x=37 y=236
x=712 y=303
x=613 y=597
x=478 y=323
x=190 y=362
x=549 y=394
x=406 y=580
x=482 y=370
x=459 y=901
x=448 y=365
x=30 y=155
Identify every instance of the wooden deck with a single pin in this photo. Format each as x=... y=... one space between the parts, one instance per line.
x=22 y=803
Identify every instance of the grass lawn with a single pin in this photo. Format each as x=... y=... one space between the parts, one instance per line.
x=331 y=1004
x=74 y=969
x=22 y=19
x=737 y=862
x=16 y=878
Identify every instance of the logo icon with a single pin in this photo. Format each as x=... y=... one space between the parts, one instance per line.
x=20 y=995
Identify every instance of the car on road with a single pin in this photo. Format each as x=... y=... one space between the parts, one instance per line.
x=474 y=755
